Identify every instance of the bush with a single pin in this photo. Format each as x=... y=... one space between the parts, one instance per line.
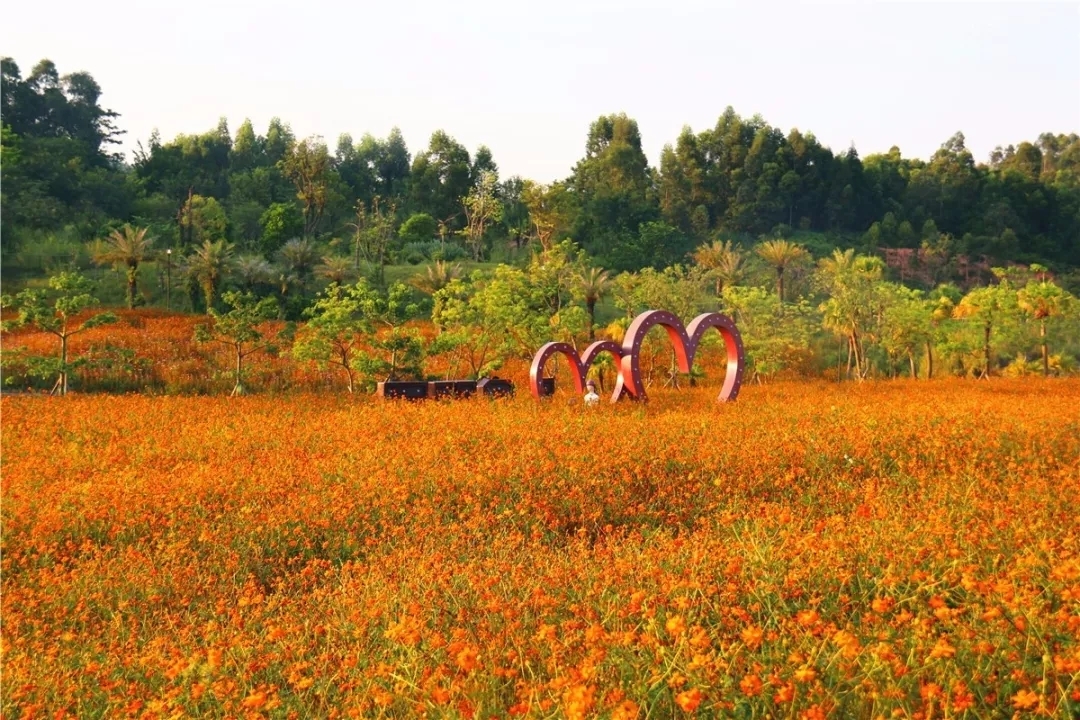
x=415 y=253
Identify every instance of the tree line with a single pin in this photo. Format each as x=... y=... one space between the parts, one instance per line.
x=376 y=202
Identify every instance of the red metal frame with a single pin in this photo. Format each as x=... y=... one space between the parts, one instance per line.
x=684 y=339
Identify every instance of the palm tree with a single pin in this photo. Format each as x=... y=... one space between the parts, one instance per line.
x=299 y=257
x=722 y=260
x=209 y=264
x=335 y=268
x=593 y=285
x=840 y=262
x=781 y=254
x=128 y=246
x=439 y=275
x=252 y=271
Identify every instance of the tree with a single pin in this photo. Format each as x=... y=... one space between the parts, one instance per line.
x=906 y=323
x=237 y=329
x=437 y=276
x=481 y=209
x=441 y=176
x=781 y=255
x=129 y=247
x=202 y=219
x=419 y=228
x=252 y=272
x=299 y=257
x=853 y=309
x=776 y=337
x=395 y=351
x=722 y=261
x=593 y=284
x=550 y=211
x=613 y=188
x=209 y=265
x=335 y=268
x=373 y=234
x=280 y=222
x=1041 y=301
x=54 y=311
x=306 y=165
x=336 y=325
x=987 y=306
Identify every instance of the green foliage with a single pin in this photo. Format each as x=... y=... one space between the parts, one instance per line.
x=395 y=351
x=776 y=337
x=238 y=329
x=338 y=320
x=419 y=229
x=55 y=311
x=280 y=222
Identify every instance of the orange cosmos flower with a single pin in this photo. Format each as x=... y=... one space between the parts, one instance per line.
x=689 y=700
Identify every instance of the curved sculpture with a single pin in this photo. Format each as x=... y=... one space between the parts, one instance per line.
x=684 y=339
x=579 y=364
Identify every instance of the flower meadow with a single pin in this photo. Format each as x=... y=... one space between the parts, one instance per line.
x=903 y=549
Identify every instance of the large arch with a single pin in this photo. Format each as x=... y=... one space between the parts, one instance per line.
x=635 y=336
x=685 y=341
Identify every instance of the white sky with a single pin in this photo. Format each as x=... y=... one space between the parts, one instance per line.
x=526 y=79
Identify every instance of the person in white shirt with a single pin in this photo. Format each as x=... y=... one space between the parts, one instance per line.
x=591 y=398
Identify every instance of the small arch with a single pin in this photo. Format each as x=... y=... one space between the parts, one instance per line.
x=733 y=344
x=608 y=346
x=536 y=370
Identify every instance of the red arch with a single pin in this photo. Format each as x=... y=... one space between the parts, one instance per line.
x=635 y=335
x=736 y=355
x=685 y=341
x=536 y=370
x=579 y=364
x=616 y=351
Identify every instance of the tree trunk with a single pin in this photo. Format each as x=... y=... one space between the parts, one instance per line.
x=63 y=366
x=132 y=285
x=780 y=284
x=911 y=364
x=238 y=389
x=850 y=353
x=591 y=306
x=929 y=360
x=1045 y=348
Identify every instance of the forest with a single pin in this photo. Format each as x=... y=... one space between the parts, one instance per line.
x=830 y=262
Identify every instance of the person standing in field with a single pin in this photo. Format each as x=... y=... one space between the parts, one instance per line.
x=591 y=398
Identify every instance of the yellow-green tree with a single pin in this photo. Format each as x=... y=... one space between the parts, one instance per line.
x=1041 y=301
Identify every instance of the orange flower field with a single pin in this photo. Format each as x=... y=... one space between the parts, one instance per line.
x=900 y=549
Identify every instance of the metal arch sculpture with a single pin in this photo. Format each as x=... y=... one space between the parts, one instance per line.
x=684 y=339
x=579 y=364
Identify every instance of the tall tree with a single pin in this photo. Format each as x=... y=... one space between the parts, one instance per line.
x=781 y=255
x=238 y=329
x=306 y=165
x=1042 y=301
x=127 y=246
x=209 y=264
x=481 y=208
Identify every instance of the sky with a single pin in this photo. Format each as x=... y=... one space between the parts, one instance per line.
x=527 y=79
